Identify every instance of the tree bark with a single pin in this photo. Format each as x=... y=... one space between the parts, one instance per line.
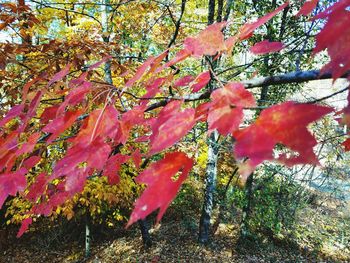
x=247 y=208
x=146 y=238
x=87 y=237
x=210 y=182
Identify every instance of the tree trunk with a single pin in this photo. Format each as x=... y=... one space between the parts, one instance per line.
x=247 y=208
x=87 y=237
x=146 y=238
x=211 y=172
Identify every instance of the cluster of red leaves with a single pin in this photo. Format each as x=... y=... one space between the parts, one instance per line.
x=105 y=129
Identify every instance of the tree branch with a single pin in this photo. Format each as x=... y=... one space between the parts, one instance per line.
x=290 y=77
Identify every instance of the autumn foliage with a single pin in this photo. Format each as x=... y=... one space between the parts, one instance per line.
x=101 y=127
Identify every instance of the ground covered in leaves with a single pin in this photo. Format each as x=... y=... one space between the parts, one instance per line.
x=175 y=241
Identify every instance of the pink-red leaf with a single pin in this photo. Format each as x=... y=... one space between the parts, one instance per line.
x=335 y=37
x=307 y=7
x=14 y=112
x=265 y=47
x=162 y=185
x=346 y=145
x=60 y=75
x=24 y=226
x=172 y=130
x=201 y=81
x=113 y=166
x=286 y=124
x=37 y=188
x=208 y=42
x=226 y=110
x=247 y=30
x=184 y=81
x=11 y=183
x=139 y=72
x=61 y=123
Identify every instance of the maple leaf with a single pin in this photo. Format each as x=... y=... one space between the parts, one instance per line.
x=128 y=120
x=184 y=81
x=112 y=167
x=139 y=72
x=75 y=96
x=29 y=145
x=335 y=37
x=307 y=7
x=11 y=183
x=346 y=145
x=265 y=47
x=180 y=56
x=226 y=109
x=24 y=226
x=76 y=180
x=247 y=30
x=201 y=81
x=208 y=42
x=285 y=123
x=161 y=185
x=172 y=130
x=61 y=123
x=101 y=122
x=60 y=75
x=37 y=188
x=202 y=111
x=31 y=162
x=14 y=112
x=95 y=154
x=49 y=114
x=137 y=158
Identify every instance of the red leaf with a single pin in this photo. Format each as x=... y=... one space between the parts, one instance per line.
x=60 y=124
x=208 y=42
x=137 y=158
x=307 y=7
x=202 y=111
x=201 y=81
x=184 y=81
x=346 y=145
x=172 y=130
x=14 y=112
x=286 y=124
x=76 y=180
x=157 y=60
x=31 y=162
x=95 y=154
x=112 y=167
x=181 y=55
x=97 y=64
x=31 y=111
x=24 y=227
x=49 y=114
x=11 y=183
x=101 y=122
x=128 y=120
x=161 y=185
x=139 y=72
x=29 y=145
x=226 y=111
x=29 y=84
x=265 y=47
x=335 y=37
x=37 y=188
x=75 y=96
x=60 y=75
x=247 y=30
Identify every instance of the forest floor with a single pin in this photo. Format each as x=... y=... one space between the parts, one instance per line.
x=175 y=240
